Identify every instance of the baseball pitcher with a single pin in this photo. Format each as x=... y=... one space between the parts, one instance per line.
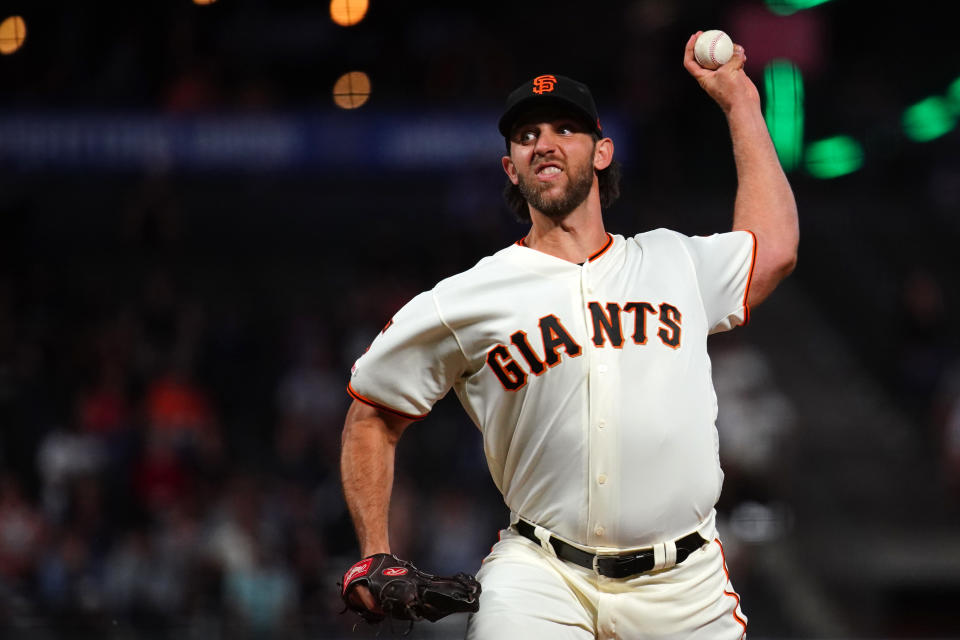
x=582 y=358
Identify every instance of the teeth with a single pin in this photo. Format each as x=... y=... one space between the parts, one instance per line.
x=549 y=171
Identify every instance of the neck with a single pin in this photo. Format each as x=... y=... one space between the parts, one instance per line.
x=575 y=238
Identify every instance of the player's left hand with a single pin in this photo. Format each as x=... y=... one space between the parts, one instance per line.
x=729 y=84
x=388 y=586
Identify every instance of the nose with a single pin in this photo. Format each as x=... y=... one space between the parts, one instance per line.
x=546 y=141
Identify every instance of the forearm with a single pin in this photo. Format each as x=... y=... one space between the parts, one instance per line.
x=366 y=469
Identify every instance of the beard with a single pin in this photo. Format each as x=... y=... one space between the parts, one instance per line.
x=559 y=206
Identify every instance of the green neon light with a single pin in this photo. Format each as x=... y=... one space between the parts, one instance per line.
x=953 y=96
x=928 y=119
x=834 y=157
x=788 y=7
x=783 y=85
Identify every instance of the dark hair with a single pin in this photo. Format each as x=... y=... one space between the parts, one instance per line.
x=608 y=180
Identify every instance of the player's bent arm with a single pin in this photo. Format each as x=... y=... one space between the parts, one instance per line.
x=369 y=444
x=764 y=202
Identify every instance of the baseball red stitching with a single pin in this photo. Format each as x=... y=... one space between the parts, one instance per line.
x=713 y=49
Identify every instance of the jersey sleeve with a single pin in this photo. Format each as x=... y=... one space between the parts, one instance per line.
x=411 y=364
x=724 y=266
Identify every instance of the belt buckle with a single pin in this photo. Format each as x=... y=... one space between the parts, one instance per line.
x=602 y=556
x=623 y=566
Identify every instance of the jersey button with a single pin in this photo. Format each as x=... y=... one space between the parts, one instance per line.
x=599 y=530
x=602 y=424
x=602 y=478
x=602 y=368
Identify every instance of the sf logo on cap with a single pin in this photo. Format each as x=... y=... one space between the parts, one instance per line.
x=544 y=84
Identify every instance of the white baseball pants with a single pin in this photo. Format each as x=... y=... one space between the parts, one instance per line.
x=528 y=593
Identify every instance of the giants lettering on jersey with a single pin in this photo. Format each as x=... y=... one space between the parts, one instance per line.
x=608 y=322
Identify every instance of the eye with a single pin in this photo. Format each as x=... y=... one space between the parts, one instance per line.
x=526 y=135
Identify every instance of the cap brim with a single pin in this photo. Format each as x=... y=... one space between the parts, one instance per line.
x=510 y=117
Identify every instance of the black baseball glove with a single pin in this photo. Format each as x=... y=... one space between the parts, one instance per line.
x=406 y=593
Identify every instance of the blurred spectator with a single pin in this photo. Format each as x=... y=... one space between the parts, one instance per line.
x=947 y=417
x=262 y=596
x=459 y=534
x=160 y=479
x=754 y=421
x=951 y=449
x=104 y=409
x=65 y=455
x=237 y=525
x=21 y=533
x=105 y=415
x=67 y=577
x=923 y=331
x=139 y=582
x=179 y=413
x=311 y=399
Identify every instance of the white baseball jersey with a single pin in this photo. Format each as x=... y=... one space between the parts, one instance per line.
x=590 y=383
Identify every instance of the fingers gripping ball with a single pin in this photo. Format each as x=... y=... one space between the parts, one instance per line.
x=713 y=49
x=406 y=593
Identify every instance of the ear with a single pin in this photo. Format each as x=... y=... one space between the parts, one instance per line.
x=510 y=169
x=603 y=154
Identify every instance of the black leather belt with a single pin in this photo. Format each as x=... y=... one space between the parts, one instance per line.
x=613 y=566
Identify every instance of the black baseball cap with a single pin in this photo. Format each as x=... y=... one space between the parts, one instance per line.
x=550 y=90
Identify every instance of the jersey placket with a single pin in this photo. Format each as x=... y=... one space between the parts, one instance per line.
x=599 y=428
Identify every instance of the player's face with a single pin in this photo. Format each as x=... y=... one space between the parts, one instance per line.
x=553 y=159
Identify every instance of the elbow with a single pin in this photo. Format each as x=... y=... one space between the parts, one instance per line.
x=779 y=253
x=783 y=264
x=364 y=422
x=788 y=262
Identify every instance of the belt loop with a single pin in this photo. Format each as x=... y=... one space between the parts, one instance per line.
x=664 y=555
x=544 y=537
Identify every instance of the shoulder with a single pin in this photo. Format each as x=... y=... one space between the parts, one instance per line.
x=487 y=269
x=658 y=236
x=661 y=234
x=665 y=238
x=659 y=242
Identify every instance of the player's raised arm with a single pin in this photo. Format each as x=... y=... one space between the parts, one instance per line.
x=764 y=203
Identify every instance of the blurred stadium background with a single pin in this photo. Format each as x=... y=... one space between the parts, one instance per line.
x=208 y=210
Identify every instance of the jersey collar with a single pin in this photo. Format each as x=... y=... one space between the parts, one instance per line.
x=522 y=242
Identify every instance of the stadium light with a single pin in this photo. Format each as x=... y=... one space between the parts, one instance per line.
x=347 y=13
x=13 y=32
x=833 y=157
x=783 y=85
x=351 y=90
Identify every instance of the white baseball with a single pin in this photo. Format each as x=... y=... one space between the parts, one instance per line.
x=713 y=49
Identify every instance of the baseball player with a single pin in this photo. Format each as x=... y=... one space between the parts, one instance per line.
x=582 y=358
